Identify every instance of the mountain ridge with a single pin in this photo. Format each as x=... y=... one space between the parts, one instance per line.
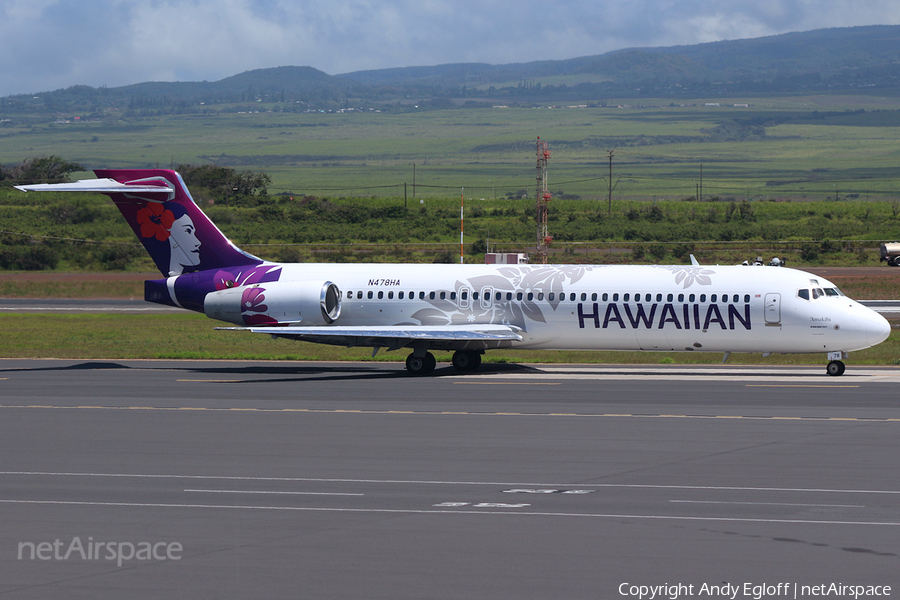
x=813 y=61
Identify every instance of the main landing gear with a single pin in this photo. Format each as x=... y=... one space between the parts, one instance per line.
x=463 y=360
x=420 y=365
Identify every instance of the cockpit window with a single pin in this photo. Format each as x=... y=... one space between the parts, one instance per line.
x=818 y=293
x=803 y=294
x=832 y=292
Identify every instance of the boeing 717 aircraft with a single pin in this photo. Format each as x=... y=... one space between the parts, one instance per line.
x=468 y=309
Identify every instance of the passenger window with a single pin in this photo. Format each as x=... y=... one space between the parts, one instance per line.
x=431 y=296
x=594 y=297
x=669 y=298
x=616 y=297
x=583 y=296
x=349 y=295
x=380 y=295
x=713 y=298
x=626 y=297
x=509 y=295
x=746 y=298
x=518 y=295
x=605 y=297
x=412 y=295
x=499 y=296
x=359 y=295
x=681 y=297
x=659 y=297
x=443 y=295
x=390 y=295
x=474 y=295
x=399 y=295
x=530 y=296
x=551 y=296
x=691 y=298
x=572 y=296
x=421 y=295
x=540 y=295
x=702 y=297
x=453 y=295
x=803 y=294
x=464 y=295
x=369 y=295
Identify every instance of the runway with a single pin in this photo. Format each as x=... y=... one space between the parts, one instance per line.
x=354 y=480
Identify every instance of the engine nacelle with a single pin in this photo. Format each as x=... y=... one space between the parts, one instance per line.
x=276 y=303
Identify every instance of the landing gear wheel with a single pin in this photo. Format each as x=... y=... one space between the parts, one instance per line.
x=420 y=366
x=835 y=368
x=466 y=360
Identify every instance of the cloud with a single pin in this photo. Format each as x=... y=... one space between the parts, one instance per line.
x=49 y=44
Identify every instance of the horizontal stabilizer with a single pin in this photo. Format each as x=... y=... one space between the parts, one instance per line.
x=100 y=186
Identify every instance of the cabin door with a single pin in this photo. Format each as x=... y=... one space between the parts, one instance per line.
x=773 y=309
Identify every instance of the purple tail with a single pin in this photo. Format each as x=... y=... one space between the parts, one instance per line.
x=173 y=229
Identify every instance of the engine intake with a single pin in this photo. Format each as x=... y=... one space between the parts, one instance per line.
x=276 y=303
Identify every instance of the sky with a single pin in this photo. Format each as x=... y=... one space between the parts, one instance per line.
x=51 y=44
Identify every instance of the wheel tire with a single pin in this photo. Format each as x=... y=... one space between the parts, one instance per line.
x=835 y=368
x=420 y=366
x=466 y=360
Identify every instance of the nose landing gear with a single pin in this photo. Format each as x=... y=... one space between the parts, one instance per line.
x=835 y=365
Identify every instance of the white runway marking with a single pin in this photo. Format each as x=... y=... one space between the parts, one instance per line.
x=272 y=492
x=454 y=512
x=767 y=503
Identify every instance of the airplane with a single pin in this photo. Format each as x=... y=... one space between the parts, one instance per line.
x=468 y=309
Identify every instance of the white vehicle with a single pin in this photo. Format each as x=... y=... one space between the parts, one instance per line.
x=468 y=309
x=890 y=252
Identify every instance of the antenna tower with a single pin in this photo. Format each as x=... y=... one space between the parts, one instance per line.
x=543 y=198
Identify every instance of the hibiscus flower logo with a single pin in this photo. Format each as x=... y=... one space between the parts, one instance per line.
x=155 y=221
x=252 y=300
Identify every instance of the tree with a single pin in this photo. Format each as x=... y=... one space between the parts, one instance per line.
x=48 y=169
x=225 y=184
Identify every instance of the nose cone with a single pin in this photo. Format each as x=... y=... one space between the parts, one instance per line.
x=877 y=329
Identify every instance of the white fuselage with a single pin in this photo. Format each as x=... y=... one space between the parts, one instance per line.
x=609 y=307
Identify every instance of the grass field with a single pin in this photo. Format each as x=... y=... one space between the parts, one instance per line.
x=814 y=147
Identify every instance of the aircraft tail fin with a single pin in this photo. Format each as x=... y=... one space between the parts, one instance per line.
x=157 y=205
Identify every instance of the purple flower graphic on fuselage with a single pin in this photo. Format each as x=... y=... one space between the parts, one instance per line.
x=252 y=300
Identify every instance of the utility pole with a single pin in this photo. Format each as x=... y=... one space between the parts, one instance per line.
x=700 y=192
x=462 y=196
x=609 y=155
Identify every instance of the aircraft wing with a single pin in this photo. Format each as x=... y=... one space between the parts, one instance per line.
x=447 y=337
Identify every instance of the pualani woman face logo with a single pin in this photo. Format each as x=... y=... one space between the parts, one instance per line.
x=167 y=227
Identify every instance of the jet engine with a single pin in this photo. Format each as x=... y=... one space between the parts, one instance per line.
x=276 y=303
